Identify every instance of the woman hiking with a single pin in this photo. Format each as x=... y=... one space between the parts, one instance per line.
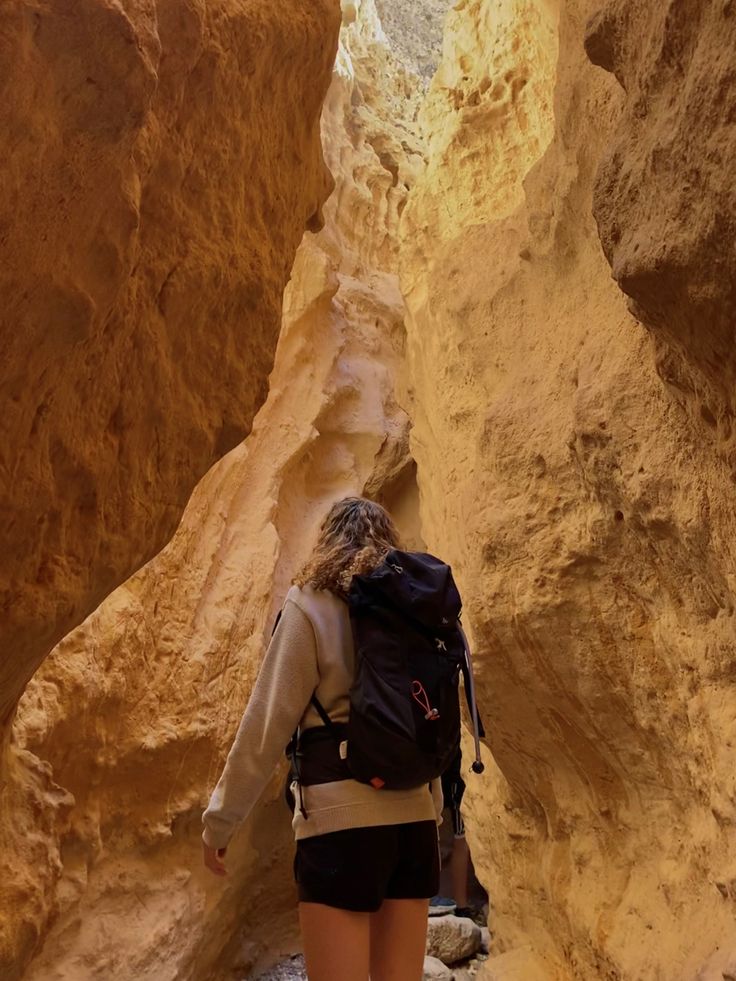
x=367 y=859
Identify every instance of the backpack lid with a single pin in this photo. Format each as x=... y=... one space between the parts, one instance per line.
x=418 y=583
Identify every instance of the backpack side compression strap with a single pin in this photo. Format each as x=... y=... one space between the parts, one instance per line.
x=326 y=720
x=478 y=730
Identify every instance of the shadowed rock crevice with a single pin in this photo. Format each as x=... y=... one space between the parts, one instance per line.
x=664 y=200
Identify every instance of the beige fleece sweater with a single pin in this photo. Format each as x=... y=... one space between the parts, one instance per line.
x=310 y=652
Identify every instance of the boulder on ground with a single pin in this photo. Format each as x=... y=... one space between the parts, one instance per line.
x=435 y=970
x=453 y=938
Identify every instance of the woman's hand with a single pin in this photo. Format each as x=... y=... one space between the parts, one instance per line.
x=213 y=859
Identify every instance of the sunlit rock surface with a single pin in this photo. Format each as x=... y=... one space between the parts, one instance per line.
x=586 y=508
x=160 y=167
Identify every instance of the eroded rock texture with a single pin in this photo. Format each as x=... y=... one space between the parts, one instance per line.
x=586 y=508
x=665 y=198
x=160 y=167
x=133 y=713
x=573 y=466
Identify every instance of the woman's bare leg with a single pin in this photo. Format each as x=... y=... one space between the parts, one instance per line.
x=336 y=943
x=398 y=937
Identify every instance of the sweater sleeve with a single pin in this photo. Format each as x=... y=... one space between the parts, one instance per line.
x=286 y=681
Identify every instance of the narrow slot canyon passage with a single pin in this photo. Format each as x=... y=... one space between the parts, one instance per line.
x=507 y=316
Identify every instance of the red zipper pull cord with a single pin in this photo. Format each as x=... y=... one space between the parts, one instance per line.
x=420 y=696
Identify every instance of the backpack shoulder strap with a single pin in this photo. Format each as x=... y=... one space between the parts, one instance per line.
x=321 y=712
x=292 y=748
x=276 y=621
x=478 y=730
x=326 y=720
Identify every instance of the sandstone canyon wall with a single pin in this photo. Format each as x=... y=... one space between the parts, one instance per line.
x=669 y=166
x=160 y=167
x=126 y=724
x=571 y=455
x=578 y=471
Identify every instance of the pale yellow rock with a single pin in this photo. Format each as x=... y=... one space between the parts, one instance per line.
x=496 y=76
x=161 y=162
x=587 y=514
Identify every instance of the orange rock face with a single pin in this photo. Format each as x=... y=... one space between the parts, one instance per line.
x=161 y=165
x=133 y=712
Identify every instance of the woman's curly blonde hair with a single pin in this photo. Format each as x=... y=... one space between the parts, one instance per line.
x=354 y=538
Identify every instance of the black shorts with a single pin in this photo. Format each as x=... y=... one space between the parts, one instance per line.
x=357 y=869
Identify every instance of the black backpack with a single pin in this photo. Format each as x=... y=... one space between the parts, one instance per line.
x=410 y=649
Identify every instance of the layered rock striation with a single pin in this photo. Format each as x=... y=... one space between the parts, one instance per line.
x=160 y=168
